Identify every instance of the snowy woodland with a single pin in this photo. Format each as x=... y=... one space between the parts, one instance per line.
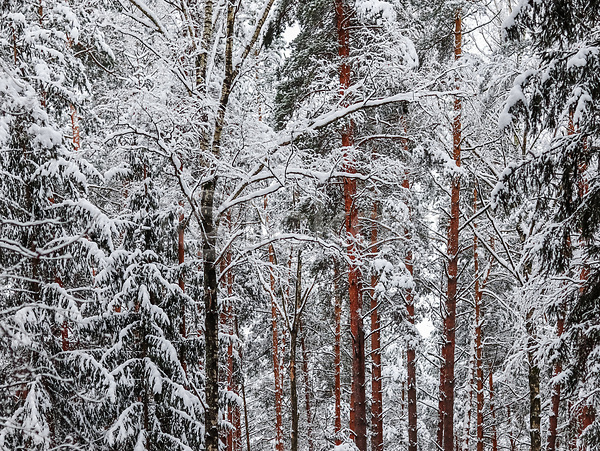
x=271 y=225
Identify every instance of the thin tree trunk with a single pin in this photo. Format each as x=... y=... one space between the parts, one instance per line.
x=293 y=346
x=358 y=417
x=276 y=358
x=411 y=364
x=243 y=389
x=376 y=388
x=478 y=341
x=307 y=389
x=181 y=260
x=338 y=354
x=448 y=348
x=211 y=309
x=534 y=389
x=209 y=248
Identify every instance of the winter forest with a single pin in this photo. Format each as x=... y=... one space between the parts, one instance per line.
x=317 y=225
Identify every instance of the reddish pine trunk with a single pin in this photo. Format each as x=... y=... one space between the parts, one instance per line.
x=358 y=417
x=338 y=355
x=447 y=373
x=376 y=389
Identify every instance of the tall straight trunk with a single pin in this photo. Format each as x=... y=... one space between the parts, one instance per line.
x=307 y=388
x=337 y=354
x=181 y=261
x=211 y=321
x=293 y=347
x=243 y=390
x=276 y=359
x=411 y=364
x=535 y=406
x=209 y=252
x=376 y=388
x=448 y=348
x=478 y=341
x=358 y=414
x=493 y=412
x=229 y=327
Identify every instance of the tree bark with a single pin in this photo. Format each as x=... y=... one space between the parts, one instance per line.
x=358 y=417
x=478 y=341
x=337 y=354
x=448 y=348
x=211 y=321
x=307 y=388
x=293 y=346
x=411 y=364
x=534 y=390
x=376 y=388
x=276 y=358
x=181 y=261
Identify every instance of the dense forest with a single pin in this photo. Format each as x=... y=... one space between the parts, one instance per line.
x=257 y=225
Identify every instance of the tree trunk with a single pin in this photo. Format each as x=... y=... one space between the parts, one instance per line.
x=293 y=346
x=534 y=389
x=411 y=364
x=307 y=388
x=181 y=260
x=211 y=309
x=376 y=389
x=293 y=390
x=338 y=354
x=209 y=248
x=358 y=416
x=447 y=373
x=276 y=359
x=478 y=341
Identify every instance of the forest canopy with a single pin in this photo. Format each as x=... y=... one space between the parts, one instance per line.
x=341 y=225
